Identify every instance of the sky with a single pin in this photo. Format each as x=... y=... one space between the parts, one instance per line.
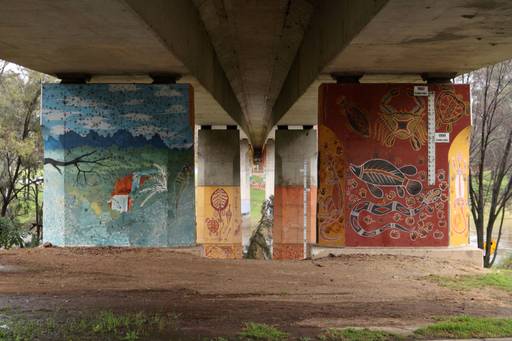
x=141 y=109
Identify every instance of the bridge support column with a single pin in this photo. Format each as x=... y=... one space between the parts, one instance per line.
x=219 y=214
x=295 y=193
x=119 y=164
x=245 y=190
x=269 y=155
x=394 y=165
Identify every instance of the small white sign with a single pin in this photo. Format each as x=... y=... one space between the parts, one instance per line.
x=420 y=90
x=442 y=137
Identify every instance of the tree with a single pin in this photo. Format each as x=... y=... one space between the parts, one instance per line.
x=20 y=140
x=491 y=148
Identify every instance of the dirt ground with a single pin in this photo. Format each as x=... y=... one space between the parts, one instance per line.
x=215 y=297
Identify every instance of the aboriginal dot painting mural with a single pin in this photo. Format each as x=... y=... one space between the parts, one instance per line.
x=373 y=166
x=119 y=164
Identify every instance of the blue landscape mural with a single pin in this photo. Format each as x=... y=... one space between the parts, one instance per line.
x=119 y=164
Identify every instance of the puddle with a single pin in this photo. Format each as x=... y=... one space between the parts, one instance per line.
x=8 y=268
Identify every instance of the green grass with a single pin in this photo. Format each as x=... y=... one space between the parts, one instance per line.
x=260 y=331
x=351 y=334
x=500 y=279
x=257 y=198
x=462 y=327
x=104 y=326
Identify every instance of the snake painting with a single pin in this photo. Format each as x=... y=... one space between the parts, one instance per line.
x=393 y=206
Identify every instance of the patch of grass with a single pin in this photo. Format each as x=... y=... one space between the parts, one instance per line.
x=104 y=326
x=257 y=199
x=261 y=331
x=506 y=263
x=462 y=327
x=501 y=279
x=351 y=334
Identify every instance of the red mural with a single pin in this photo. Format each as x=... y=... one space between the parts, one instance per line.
x=373 y=149
x=220 y=225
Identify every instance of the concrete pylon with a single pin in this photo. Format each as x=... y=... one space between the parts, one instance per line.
x=245 y=190
x=295 y=193
x=219 y=213
x=269 y=168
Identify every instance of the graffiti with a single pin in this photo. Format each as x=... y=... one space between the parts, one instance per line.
x=449 y=109
x=356 y=117
x=379 y=173
x=402 y=124
x=110 y=153
x=391 y=207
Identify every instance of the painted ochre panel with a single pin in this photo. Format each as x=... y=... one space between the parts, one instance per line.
x=219 y=221
x=458 y=156
x=373 y=188
x=119 y=164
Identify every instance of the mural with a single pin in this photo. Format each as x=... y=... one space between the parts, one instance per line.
x=219 y=220
x=118 y=164
x=373 y=188
x=458 y=157
x=331 y=218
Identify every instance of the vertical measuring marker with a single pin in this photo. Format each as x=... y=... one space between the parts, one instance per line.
x=431 y=138
x=305 y=203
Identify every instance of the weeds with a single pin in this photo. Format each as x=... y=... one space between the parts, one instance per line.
x=500 y=279
x=260 y=331
x=351 y=334
x=106 y=325
x=467 y=327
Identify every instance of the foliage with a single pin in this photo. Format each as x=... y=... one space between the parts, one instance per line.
x=351 y=334
x=261 y=331
x=491 y=152
x=104 y=326
x=462 y=327
x=20 y=143
x=10 y=234
x=501 y=279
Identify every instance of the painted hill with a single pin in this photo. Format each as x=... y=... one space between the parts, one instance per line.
x=120 y=138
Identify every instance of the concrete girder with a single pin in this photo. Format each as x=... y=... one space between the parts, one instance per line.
x=440 y=37
x=256 y=43
x=179 y=27
x=334 y=24
x=117 y=38
x=403 y=39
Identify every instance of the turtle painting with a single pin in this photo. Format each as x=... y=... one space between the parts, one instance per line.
x=378 y=173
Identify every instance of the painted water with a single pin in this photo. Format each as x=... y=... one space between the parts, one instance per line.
x=505 y=246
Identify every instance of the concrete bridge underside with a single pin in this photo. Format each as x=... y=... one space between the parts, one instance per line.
x=256 y=63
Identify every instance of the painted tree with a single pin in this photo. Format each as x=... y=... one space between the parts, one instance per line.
x=491 y=153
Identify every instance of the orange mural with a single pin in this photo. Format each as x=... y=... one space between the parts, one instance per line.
x=373 y=165
x=219 y=221
x=288 y=228
x=330 y=192
x=458 y=157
